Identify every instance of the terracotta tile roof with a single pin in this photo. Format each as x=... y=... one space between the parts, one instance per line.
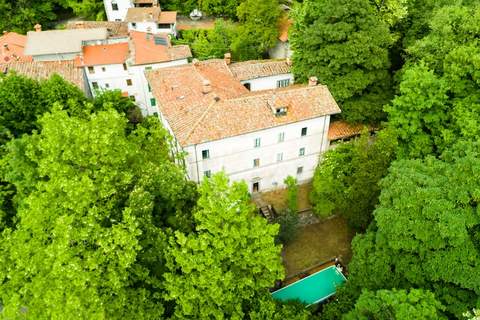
x=44 y=70
x=150 y=14
x=12 y=46
x=114 y=28
x=144 y=49
x=115 y=53
x=253 y=69
x=343 y=130
x=228 y=109
x=284 y=27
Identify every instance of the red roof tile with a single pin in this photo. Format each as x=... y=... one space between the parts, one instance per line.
x=253 y=69
x=145 y=50
x=284 y=27
x=12 y=46
x=116 y=53
x=343 y=130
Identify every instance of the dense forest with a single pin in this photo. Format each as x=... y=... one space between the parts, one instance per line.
x=98 y=221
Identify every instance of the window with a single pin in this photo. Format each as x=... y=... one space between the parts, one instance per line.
x=299 y=170
x=129 y=83
x=205 y=154
x=280 y=157
x=132 y=98
x=281 y=137
x=125 y=66
x=256 y=163
x=163 y=26
x=283 y=83
x=304 y=132
x=107 y=85
x=153 y=102
x=247 y=85
x=95 y=85
x=149 y=88
x=301 y=152
x=118 y=19
x=257 y=142
x=282 y=111
x=256 y=186
x=91 y=70
x=134 y=25
x=104 y=69
x=148 y=68
x=207 y=173
x=114 y=6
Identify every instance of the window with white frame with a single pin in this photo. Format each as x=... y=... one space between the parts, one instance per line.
x=299 y=170
x=280 y=157
x=281 y=137
x=301 y=152
x=91 y=70
x=304 y=132
x=114 y=6
x=207 y=173
x=283 y=83
x=256 y=163
x=257 y=142
x=206 y=154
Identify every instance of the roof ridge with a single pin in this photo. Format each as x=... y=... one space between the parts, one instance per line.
x=195 y=125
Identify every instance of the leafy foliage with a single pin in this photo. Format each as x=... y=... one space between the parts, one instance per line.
x=292 y=193
x=397 y=304
x=347 y=179
x=273 y=310
x=86 y=9
x=345 y=44
x=88 y=242
x=229 y=260
x=427 y=230
x=288 y=221
x=21 y=15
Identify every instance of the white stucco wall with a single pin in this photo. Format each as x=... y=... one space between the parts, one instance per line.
x=152 y=27
x=280 y=51
x=56 y=56
x=266 y=83
x=235 y=155
x=116 y=78
x=121 y=13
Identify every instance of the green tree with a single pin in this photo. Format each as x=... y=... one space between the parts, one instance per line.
x=415 y=304
x=346 y=181
x=228 y=262
x=427 y=230
x=226 y=8
x=21 y=15
x=346 y=45
x=292 y=193
x=86 y=9
x=258 y=29
x=391 y=12
x=265 y=308
x=92 y=200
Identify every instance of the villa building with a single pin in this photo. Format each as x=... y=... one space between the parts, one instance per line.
x=217 y=116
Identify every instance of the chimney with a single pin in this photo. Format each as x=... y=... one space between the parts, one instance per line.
x=5 y=45
x=207 y=88
x=150 y=16
x=80 y=24
x=195 y=62
x=38 y=27
x=228 y=58
x=312 y=81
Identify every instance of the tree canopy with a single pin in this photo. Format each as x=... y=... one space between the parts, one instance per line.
x=346 y=45
x=219 y=270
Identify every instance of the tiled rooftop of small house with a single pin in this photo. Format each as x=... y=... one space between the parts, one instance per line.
x=114 y=53
x=44 y=70
x=342 y=130
x=203 y=101
x=148 y=48
x=253 y=69
x=12 y=46
x=151 y=14
x=114 y=28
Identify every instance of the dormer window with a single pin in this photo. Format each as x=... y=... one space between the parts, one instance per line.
x=281 y=111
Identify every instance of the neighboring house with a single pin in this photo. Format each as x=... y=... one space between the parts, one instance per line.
x=341 y=130
x=152 y=20
x=114 y=28
x=57 y=45
x=117 y=9
x=282 y=48
x=260 y=137
x=120 y=63
x=44 y=70
x=263 y=74
x=12 y=46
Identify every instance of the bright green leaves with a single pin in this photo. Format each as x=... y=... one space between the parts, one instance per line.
x=216 y=272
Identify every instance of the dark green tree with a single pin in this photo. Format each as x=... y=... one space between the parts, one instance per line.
x=415 y=304
x=224 y=8
x=347 y=180
x=22 y=15
x=86 y=9
x=346 y=45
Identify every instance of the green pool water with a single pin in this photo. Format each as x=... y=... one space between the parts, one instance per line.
x=314 y=288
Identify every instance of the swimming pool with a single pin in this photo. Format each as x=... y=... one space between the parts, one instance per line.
x=312 y=289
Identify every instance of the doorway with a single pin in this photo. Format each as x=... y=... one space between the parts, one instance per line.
x=256 y=187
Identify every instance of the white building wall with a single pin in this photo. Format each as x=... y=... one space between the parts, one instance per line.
x=280 y=51
x=114 y=76
x=152 y=27
x=235 y=155
x=266 y=83
x=121 y=13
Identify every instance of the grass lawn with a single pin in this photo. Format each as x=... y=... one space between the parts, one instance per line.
x=317 y=243
x=278 y=198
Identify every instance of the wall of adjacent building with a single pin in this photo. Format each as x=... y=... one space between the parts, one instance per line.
x=235 y=155
x=266 y=83
x=152 y=27
x=121 y=13
x=280 y=51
